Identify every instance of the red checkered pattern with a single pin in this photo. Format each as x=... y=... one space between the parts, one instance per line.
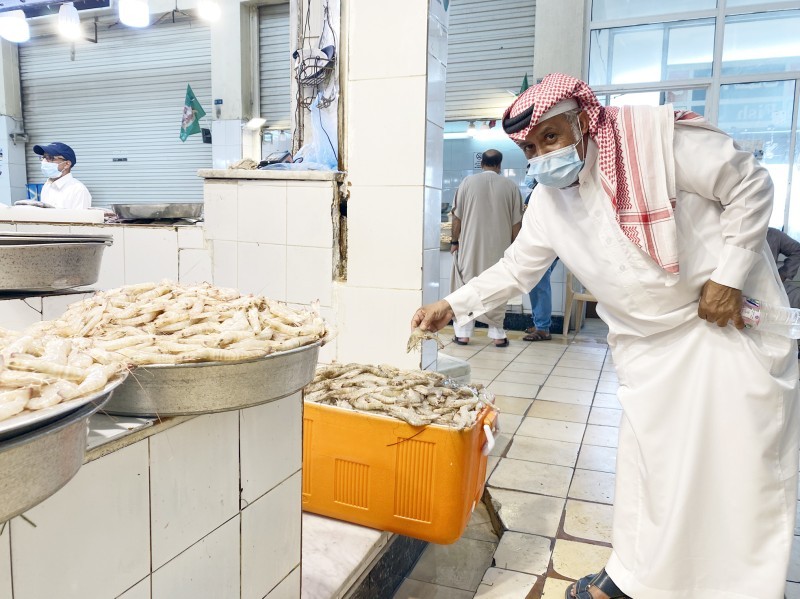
x=651 y=227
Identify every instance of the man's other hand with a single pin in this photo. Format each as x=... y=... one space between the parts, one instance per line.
x=433 y=316
x=720 y=304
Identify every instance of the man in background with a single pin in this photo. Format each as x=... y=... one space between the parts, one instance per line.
x=62 y=190
x=781 y=244
x=487 y=216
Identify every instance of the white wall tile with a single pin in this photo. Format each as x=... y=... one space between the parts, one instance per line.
x=434 y=155
x=430 y=276
x=40 y=228
x=19 y=314
x=445 y=264
x=151 y=254
x=5 y=563
x=262 y=211
x=220 y=209
x=371 y=56
x=289 y=588
x=386 y=310
x=432 y=219
x=93 y=535
x=393 y=157
x=8 y=227
x=233 y=133
x=112 y=267
x=194 y=266
x=309 y=275
x=435 y=107
x=444 y=288
x=224 y=263
x=191 y=238
x=209 y=568
x=139 y=591
x=194 y=482
x=271 y=445
x=262 y=269
x=558 y=275
x=218 y=131
x=271 y=538
x=384 y=236
x=437 y=34
x=309 y=221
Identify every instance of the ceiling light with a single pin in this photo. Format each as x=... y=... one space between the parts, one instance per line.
x=14 y=27
x=255 y=124
x=471 y=128
x=209 y=10
x=69 y=23
x=134 y=13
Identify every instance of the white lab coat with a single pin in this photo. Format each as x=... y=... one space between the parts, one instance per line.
x=707 y=464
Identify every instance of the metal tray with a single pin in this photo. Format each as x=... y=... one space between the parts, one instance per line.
x=210 y=387
x=28 y=420
x=45 y=267
x=156 y=211
x=36 y=465
x=52 y=237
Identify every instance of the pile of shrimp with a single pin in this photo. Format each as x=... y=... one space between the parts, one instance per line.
x=168 y=324
x=39 y=372
x=417 y=397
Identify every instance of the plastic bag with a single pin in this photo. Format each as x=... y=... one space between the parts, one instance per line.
x=322 y=150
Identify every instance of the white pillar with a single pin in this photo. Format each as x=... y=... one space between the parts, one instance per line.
x=13 y=176
x=559 y=38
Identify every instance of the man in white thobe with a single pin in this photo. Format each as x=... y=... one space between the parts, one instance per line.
x=61 y=190
x=487 y=216
x=664 y=220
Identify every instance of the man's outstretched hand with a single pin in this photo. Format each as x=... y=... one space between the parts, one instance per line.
x=720 y=304
x=433 y=316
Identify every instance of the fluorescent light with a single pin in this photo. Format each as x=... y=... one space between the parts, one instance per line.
x=14 y=27
x=255 y=124
x=69 y=23
x=134 y=13
x=209 y=10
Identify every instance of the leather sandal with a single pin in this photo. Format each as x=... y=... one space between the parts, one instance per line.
x=458 y=341
x=503 y=344
x=601 y=581
x=537 y=335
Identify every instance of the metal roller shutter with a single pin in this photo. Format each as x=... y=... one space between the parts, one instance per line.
x=118 y=104
x=489 y=51
x=275 y=65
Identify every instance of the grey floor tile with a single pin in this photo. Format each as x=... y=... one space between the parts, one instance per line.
x=505 y=584
x=415 y=589
x=606 y=400
x=573 y=559
x=594 y=457
x=532 y=477
x=590 y=485
x=514 y=389
x=527 y=512
x=545 y=451
x=577 y=373
x=590 y=521
x=480 y=525
x=571 y=396
x=607 y=387
x=555 y=430
x=526 y=378
x=566 y=382
x=605 y=436
x=554 y=410
x=529 y=367
x=512 y=405
x=460 y=565
x=582 y=364
x=792 y=590
x=523 y=553
x=605 y=416
x=794 y=562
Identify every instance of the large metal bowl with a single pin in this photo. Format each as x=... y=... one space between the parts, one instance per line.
x=209 y=387
x=50 y=266
x=157 y=211
x=35 y=465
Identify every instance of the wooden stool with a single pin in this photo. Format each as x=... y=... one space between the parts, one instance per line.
x=575 y=296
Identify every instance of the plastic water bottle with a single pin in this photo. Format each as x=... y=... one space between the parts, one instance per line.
x=771 y=319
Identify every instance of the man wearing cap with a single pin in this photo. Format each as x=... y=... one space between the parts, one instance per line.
x=664 y=219
x=61 y=190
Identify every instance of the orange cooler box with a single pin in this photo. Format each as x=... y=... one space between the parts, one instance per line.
x=383 y=473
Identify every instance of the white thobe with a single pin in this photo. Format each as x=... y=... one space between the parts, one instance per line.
x=706 y=480
x=66 y=192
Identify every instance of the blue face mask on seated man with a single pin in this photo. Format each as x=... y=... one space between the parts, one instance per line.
x=559 y=168
x=50 y=169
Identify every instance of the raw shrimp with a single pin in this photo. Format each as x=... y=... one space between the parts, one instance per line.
x=52 y=395
x=418 y=336
x=13 y=402
x=20 y=362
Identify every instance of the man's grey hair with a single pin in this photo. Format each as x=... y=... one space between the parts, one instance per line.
x=572 y=117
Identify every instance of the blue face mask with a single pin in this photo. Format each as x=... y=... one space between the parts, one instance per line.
x=50 y=169
x=556 y=169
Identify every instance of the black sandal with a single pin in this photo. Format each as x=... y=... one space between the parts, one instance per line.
x=601 y=580
x=459 y=342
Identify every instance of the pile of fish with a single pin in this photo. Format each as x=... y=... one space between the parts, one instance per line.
x=38 y=372
x=168 y=324
x=415 y=396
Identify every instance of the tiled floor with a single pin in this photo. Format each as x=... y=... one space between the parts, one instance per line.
x=551 y=474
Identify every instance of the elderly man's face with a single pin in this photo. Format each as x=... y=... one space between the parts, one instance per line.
x=551 y=135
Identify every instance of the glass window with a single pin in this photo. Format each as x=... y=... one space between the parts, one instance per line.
x=793 y=228
x=637 y=54
x=759 y=117
x=681 y=99
x=738 y=3
x=625 y=9
x=761 y=43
